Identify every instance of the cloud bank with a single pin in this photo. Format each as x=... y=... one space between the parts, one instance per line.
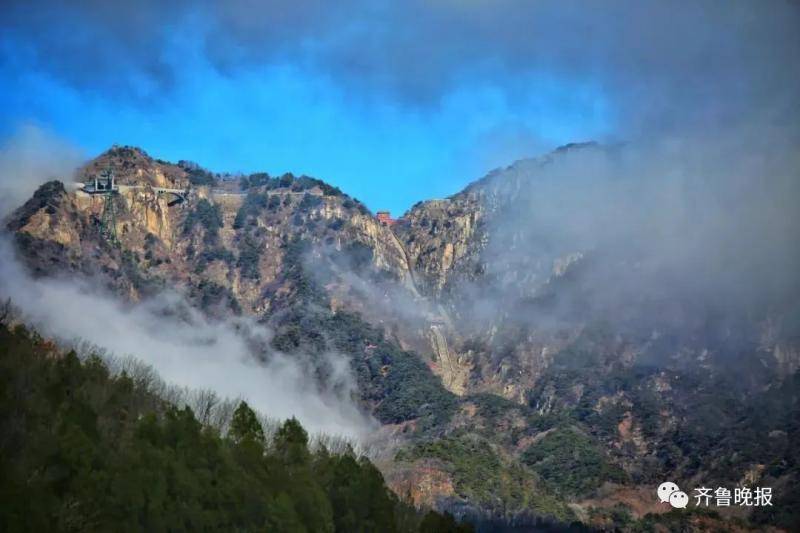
x=677 y=232
x=28 y=158
x=668 y=64
x=190 y=351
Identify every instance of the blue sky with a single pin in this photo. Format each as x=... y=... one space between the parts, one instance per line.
x=394 y=102
x=284 y=115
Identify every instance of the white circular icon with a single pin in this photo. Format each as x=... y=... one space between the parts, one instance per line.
x=678 y=499
x=665 y=489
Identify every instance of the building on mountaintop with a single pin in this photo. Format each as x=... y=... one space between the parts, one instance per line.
x=102 y=184
x=385 y=218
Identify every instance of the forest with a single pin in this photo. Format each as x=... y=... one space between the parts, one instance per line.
x=85 y=449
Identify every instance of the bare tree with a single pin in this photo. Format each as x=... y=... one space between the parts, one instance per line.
x=8 y=312
x=203 y=402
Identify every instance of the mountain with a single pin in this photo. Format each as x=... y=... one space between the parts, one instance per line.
x=524 y=372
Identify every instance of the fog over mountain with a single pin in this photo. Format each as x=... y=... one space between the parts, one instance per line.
x=231 y=358
x=30 y=157
x=189 y=351
x=541 y=344
x=708 y=221
x=657 y=260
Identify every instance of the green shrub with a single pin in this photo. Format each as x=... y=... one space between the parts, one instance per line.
x=198 y=175
x=571 y=462
x=308 y=202
x=249 y=256
x=208 y=216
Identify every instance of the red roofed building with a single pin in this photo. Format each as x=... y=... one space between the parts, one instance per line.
x=385 y=218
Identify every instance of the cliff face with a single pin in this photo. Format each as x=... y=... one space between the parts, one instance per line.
x=444 y=240
x=515 y=324
x=462 y=281
x=516 y=289
x=174 y=230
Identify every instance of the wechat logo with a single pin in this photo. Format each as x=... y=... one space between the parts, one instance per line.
x=669 y=492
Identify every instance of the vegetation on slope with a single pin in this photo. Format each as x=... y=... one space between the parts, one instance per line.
x=571 y=462
x=208 y=216
x=484 y=477
x=84 y=450
x=397 y=382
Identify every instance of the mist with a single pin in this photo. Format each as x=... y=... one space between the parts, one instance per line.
x=188 y=350
x=670 y=229
x=30 y=156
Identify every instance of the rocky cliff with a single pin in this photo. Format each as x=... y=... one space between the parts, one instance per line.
x=179 y=226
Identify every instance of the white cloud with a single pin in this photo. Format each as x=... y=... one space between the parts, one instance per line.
x=188 y=350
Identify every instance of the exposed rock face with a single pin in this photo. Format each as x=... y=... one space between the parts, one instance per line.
x=453 y=369
x=426 y=485
x=194 y=239
x=226 y=247
x=444 y=239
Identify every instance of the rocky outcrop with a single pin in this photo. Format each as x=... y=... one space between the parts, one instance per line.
x=426 y=485
x=444 y=240
x=209 y=234
x=454 y=369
